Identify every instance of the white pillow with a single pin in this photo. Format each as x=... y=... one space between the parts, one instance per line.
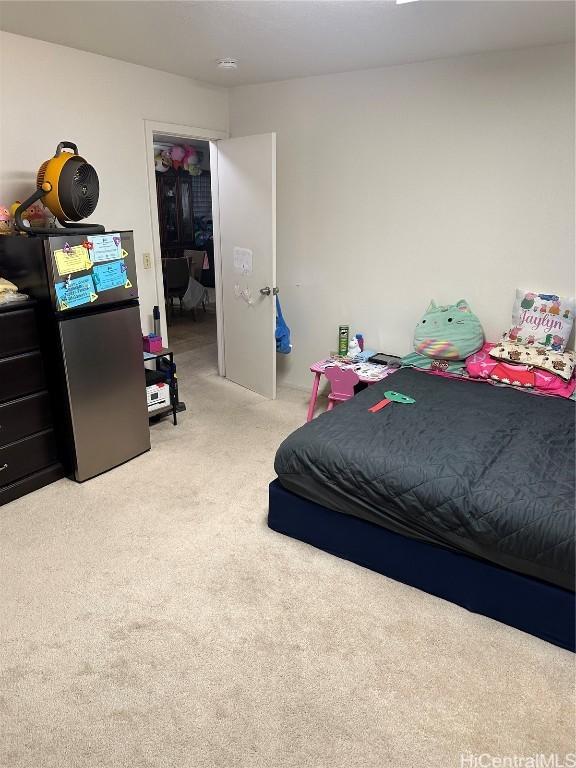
x=541 y=319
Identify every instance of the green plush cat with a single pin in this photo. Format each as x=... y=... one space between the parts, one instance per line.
x=448 y=333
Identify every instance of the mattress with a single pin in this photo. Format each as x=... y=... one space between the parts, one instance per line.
x=488 y=471
x=531 y=605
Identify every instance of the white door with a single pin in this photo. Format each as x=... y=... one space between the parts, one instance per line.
x=247 y=205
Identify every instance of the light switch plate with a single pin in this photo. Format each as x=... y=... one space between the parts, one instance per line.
x=147 y=259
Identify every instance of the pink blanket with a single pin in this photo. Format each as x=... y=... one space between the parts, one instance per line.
x=480 y=366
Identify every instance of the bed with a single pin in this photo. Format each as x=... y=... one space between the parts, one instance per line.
x=468 y=494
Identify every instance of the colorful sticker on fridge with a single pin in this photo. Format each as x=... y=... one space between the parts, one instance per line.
x=75 y=292
x=105 y=247
x=111 y=275
x=72 y=258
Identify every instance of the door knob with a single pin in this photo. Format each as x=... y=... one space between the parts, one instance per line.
x=265 y=291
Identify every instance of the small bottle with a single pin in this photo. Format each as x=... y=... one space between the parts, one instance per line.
x=156 y=318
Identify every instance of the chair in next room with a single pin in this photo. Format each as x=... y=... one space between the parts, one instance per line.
x=176 y=279
x=342 y=383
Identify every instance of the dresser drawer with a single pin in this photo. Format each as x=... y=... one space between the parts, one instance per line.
x=18 y=332
x=23 y=417
x=30 y=483
x=21 y=376
x=26 y=456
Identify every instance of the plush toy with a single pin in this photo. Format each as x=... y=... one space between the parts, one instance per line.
x=5 y=221
x=177 y=154
x=166 y=158
x=191 y=161
x=354 y=347
x=451 y=332
x=189 y=156
x=36 y=215
x=162 y=162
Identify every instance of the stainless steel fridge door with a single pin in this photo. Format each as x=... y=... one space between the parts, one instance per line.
x=105 y=379
x=87 y=272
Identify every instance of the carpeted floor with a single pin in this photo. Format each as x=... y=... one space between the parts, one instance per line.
x=190 y=330
x=151 y=620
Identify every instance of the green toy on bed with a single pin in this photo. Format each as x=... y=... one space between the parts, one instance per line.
x=445 y=337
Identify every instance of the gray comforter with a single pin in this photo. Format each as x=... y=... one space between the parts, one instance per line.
x=485 y=470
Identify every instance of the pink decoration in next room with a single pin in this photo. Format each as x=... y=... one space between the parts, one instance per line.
x=342 y=383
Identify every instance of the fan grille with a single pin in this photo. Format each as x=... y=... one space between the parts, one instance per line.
x=78 y=189
x=85 y=190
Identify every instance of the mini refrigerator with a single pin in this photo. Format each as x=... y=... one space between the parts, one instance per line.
x=87 y=289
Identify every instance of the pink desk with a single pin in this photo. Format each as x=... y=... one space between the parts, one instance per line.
x=368 y=373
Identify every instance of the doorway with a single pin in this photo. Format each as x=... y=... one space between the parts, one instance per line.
x=183 y=134
x=243 y=195
x=184 y=202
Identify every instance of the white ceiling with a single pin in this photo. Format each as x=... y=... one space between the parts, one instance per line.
x=294 y=38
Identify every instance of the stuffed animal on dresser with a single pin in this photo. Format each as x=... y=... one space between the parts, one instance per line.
x=5 y=221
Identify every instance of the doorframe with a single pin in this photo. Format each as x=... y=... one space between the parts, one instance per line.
x=186 y=132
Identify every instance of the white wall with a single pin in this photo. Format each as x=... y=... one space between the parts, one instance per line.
x=49 y=93
x=448 y=179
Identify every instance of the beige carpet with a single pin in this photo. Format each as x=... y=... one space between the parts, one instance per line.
x=151 y=620
x=190 y=330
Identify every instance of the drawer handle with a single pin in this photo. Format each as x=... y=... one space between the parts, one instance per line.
x=4 y=467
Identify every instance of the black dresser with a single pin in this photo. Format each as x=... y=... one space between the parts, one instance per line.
x=28 y=446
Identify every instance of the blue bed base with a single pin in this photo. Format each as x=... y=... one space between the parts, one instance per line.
x=541 y=609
